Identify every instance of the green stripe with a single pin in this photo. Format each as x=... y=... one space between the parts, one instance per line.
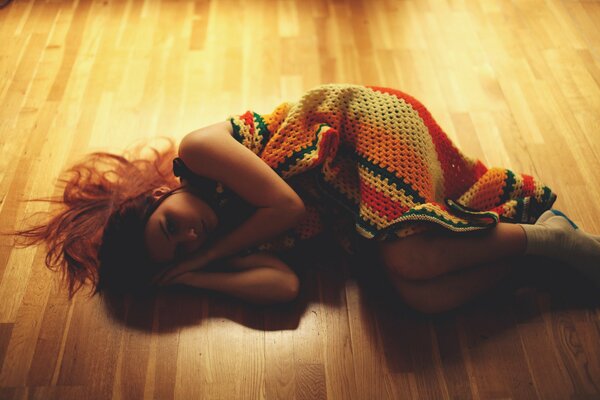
x=299 y=155
x=236 y=131
x=335 y=194
x=262 y=129
x=509 y=185
x=383 y=174
x=294 y=158
x=546 y=195
x=367 y=226
x=519 y=210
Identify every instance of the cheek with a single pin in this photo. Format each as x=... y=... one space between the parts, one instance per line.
x=156 y=243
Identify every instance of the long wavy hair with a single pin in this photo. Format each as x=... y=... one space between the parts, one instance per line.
x=95 y=232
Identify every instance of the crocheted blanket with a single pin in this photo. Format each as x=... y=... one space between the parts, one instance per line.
x=375 y=159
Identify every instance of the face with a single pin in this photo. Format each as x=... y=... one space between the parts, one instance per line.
x=179 y=226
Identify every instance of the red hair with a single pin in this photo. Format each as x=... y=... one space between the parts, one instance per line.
x=96 y=233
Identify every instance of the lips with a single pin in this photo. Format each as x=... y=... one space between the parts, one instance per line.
x=193 y=246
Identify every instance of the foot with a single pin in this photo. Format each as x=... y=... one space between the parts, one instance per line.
x=555 y=235
x=554 y=213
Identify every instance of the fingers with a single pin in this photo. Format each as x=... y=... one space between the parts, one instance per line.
x=164 y=276
x=168 y=275
x=169 y=278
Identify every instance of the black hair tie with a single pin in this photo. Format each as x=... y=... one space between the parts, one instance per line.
x=206 y=187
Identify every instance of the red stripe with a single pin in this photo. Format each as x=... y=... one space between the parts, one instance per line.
x=382 y=204
x=498 y=210
x=528 y=185
x=248 y=119
x=458 y=174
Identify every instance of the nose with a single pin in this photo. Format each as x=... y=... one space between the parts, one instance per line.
x=188 y=241
x=185 y=236
x=189 y=235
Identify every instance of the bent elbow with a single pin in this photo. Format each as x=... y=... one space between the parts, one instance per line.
x=298 y=210
x=292 y=288
x=287 y=290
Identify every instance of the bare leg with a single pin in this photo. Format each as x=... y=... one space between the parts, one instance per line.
x=439 y=270
x=437 y=253
x=450 y=290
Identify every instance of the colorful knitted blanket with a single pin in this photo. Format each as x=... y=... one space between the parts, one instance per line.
x=374 y=161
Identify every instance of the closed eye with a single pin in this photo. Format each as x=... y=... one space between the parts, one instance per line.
x=170 y=226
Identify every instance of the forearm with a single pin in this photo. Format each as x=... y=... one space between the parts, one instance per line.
x=212 y=152
x=264 y=224
x=261 y=285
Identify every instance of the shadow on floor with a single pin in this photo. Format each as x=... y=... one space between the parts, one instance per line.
x=176 y=307
x=534 y=286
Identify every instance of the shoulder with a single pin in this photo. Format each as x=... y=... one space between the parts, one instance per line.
x=194 y=140
x=206 y=150
x=214 y=153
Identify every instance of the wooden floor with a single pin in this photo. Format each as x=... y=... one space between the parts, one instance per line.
x=514 y=82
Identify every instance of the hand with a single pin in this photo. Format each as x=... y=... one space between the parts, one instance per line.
x=168 y=275
x=182 y=279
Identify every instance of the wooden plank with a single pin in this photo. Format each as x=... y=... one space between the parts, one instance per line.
x=546 y=367
x=507 y=88
x=453 y=365
x=135 y=350
x=72 y=44
x=50 y=342
x=337 y=347
x=92 y=345
x=27 y=315
x=495 y=349
x=5 y=334
x=570 y=335
x=308 y=335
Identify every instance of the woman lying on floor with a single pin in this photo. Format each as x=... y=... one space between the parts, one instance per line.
x=368 y=164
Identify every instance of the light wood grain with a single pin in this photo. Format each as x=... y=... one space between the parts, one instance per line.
x=515 y=83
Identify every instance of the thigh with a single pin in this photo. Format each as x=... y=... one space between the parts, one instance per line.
x=451 y=290
x=439 y=251
x=413 y=257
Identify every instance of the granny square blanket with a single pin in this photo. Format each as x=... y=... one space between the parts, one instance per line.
x=375 y=159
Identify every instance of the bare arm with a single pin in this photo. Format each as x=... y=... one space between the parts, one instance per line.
x=258 y=278
x=212 y=152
